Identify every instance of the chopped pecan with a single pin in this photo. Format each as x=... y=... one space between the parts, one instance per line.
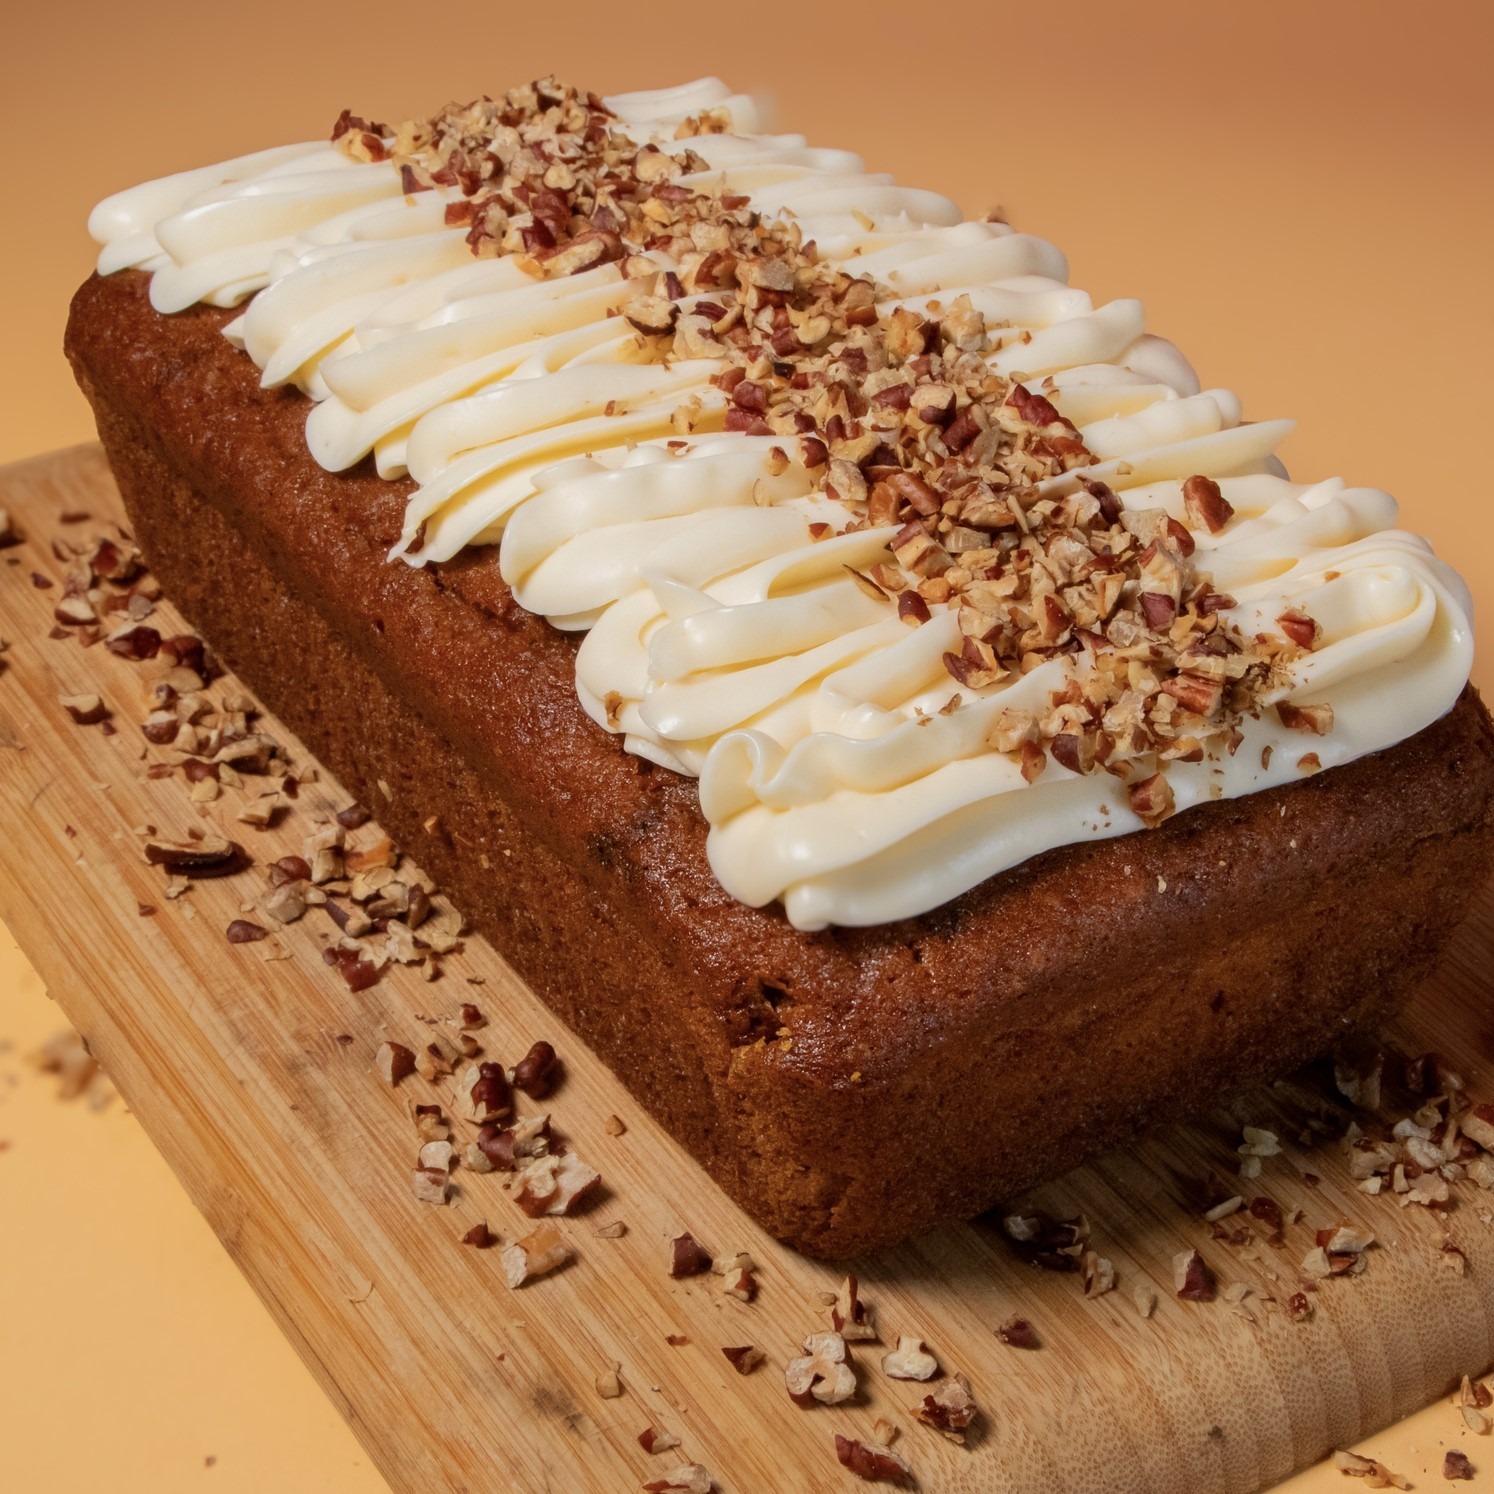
x=871 y=1463
x=1192 y=1279
x=744 y=1358
x=541 y=1251
x=1206 y=507
x=949 y=1409
x=822 y=1373
x=687 y=1256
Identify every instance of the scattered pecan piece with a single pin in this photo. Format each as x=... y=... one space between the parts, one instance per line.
x=210 y=857
x=656 y=1440
x=86 y=710
x=1019 y=1334
x=535 y=1073
x=871 y=1463
x=1456 y=1466
x=480 y=1237
x=1099 y=1274
x=483 y=1093
x=1375 y=1474
x=394 y=1062
x=541 y=1251
x=688 y=1478
x=737 y=1278
x=745 y=1358
x=1317 y=719
x=853 y=1319
x=134 y=641
x=554 y=1185
x=822 y=1374
x=1152 y=799
x=1192 y=1278
x=687 y=1256
x=431 y=1185
x=1206 y=507
x=241 y=931
x=949 y=1409
x=910 y=1360
x=1300 y=628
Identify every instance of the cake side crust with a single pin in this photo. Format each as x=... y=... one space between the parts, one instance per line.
x=934 y=1065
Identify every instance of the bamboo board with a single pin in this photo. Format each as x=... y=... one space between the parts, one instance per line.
x=300 y=1158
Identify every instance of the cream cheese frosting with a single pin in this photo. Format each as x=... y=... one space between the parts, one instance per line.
x=725 y=635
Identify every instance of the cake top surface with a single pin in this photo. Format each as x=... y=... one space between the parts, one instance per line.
x=920 y=561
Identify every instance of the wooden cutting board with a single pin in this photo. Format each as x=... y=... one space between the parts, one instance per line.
x=238 y=1062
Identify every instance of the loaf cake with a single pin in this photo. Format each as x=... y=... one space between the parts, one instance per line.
x=912 y=732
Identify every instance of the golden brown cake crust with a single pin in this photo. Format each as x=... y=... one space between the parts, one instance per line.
x=925 y=1069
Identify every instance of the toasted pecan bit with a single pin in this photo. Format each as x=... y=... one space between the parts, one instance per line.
x=438 y=1156
x=431 y=1185
x=615 y=1126
x=535 y=1073
x=1152 y=799
x=656 y=1440
x=822 y=1373
x=850 y=1317
x=134 y=641
x=483 y=1093
x=687 y=1256
x=1299 y=1307
x=212 y=856
x=541 y=1251
x=394 y=1062
x=354 y=817
x=609 y=1383
x=1206 y=507
x=480 y=1237
x=433 y=1062
x=1192 y=1279
x=745 y=1358
x=1456 y=1466
x=910 y=1361
x=85 y=710
x=949 y=1409
x=554 y=1185
x=688 y=1478
x=1303 y=630
x=241 y=931
x=1375 y=1474
x=1018 y=1333
x=870 y=1462
x=1317 y=719
x=1099 y=1274
x=737 y=1277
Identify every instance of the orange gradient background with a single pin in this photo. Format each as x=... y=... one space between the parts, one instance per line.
x=1301 y=193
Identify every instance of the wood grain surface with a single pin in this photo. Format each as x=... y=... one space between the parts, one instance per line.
x=300 y=1158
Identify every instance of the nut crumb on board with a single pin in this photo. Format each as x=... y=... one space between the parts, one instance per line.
x=1375 y=1474
x=689 y=1478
